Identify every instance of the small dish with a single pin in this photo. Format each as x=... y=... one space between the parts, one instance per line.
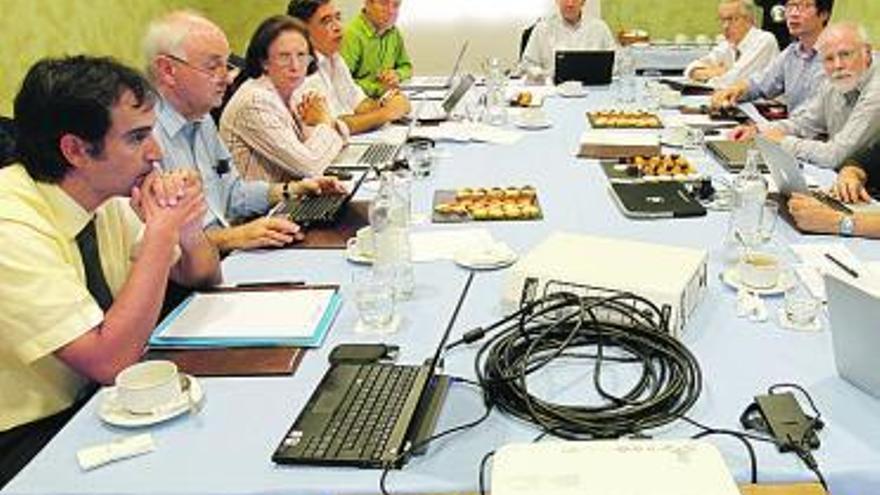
x=532 y=124
x=576 y=93
x=112 y=412
x=353 y=254
x=785 y=282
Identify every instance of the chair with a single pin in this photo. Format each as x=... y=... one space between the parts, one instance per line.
x=7 y=141
x=524 y=38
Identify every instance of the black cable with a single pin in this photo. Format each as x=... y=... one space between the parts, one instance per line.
x=483 y=463
x=620 y=327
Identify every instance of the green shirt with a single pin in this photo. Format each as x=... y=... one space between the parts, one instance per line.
x=368 y=53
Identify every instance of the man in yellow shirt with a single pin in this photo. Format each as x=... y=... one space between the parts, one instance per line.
x=82 y=270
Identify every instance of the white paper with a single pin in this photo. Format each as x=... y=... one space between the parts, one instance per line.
x=121 y=448
x=468 y=131
x=815 y=264
x=444 y=244
x=257 y=314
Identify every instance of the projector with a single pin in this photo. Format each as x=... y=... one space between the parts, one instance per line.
x=668 y=276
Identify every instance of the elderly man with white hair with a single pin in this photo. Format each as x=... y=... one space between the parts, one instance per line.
x=845 y=108
x=186 y=56
x=745 y=50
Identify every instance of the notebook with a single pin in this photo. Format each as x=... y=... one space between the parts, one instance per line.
x=652 y=200
x=591 y=68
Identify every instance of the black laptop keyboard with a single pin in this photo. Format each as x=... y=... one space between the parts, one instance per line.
x=379 y=154
x=362 y=423
x=308 y=210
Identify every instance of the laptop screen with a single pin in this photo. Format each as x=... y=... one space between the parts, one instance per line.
x=591 y=68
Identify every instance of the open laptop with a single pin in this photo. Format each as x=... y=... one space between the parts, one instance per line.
x=854 y=313
x=591 y=68
x=363 y=155
x=322 y=209
x=426 y=83
x=435 y=112
x=369 y=415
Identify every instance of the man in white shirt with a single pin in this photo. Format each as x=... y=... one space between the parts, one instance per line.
x=567 y=29
x=345 y=99
x=744 y=51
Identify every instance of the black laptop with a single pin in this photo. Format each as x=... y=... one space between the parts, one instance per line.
x=322 y=209
x=369 y=415
x=655 y=200
x=591 y=68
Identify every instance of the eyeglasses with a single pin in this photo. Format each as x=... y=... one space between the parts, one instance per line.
x=288 y=58
x=796 y=5
x=216 y=72
x=842 y=55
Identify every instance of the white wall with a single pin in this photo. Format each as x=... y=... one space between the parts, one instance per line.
x=435 y=29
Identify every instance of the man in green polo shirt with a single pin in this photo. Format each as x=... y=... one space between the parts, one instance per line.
x=374 y=50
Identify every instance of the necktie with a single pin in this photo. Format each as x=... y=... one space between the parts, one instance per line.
x=87 y=240
x=736 y=54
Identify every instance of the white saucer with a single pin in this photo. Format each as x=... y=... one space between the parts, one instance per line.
x=532 y=124
x=573 y=94
x=785 y=282
x=112 y=412
x=496 y=256
x=355 y=256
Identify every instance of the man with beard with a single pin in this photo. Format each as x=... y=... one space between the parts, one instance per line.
x=846 y=108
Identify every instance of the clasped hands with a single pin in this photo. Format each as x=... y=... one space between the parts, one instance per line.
x=171 y=203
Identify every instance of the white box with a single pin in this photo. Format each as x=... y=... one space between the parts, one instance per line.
x=665 y=275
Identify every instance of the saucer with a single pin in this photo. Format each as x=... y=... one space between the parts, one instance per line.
x=496 y=256
x=533 y=124
x=355 y=256
x=112 y=412
x=786 y=281
x=580 y=93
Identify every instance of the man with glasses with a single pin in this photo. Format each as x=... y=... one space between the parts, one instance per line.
x=374 y=50
x=794 y=73
x=187 y=61
x=846 y=108
x=744 y=51
x=346 y=100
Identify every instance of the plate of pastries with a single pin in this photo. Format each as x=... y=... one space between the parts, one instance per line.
x=486 y=204
x=620 y=119
x=651 y=168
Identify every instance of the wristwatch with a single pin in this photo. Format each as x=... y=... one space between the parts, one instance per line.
x=847 y=226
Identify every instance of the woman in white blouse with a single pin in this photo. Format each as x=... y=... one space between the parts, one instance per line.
x=268 y=139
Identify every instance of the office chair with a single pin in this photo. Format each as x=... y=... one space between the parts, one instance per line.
x=524 y=38
x=7 y=141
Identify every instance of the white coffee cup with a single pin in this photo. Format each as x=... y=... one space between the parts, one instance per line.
x=759 y=270
x=675 y=136
x=670 y=98
x=363 y=242
x=148 y=386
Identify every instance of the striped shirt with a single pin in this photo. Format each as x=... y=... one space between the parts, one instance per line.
x=794 y=74
x=270 y=142
x=197 y=145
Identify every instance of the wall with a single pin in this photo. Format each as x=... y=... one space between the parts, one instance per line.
x=31 y=29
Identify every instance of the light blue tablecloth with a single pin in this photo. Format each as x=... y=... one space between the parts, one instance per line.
x=226 y=449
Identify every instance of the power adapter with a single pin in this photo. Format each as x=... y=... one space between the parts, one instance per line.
x=780 y=415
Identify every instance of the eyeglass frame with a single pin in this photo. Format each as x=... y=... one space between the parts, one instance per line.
x=217 y=74
x=799 y=6
x=285 y=59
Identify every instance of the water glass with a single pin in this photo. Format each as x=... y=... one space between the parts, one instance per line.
x=374 y=298
x=801 y=308
x=769 y=215
x=420 y=157
x=693 y=139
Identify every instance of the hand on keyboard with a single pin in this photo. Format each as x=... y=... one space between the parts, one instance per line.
x=319 y=186
x=812 y=215
x=850 y=186
x=264 y=232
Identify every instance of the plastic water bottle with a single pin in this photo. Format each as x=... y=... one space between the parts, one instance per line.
x=749 y=195
x=389 y=220
x=626 y=70
x=496 y=103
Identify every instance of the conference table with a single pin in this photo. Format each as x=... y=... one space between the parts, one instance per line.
x=226 y=447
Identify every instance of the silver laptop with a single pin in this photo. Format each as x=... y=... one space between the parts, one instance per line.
x=378 y=155
x=855 y=337
x=438 y=82
x=433 y=111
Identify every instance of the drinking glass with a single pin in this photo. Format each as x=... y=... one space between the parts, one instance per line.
x=374 y=298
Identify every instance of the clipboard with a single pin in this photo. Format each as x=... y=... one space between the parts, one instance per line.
x=204 y=328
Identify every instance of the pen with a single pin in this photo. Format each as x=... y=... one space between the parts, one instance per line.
x=842 y=266
x=287 y=283
x=274 y=209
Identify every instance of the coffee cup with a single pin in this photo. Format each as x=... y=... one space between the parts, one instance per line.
x=759 y=270
x=670 y=98
x=362 y=242
x=675 y=136
x=146 y=387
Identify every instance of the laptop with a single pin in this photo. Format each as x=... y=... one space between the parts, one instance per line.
x=369 y=415
x=435 y=112
x=364 y=155
x=654 y=200
x=853 y=313
x=591 y=68
x=426 y=83
x=689 y=88
x=732 y=154
x=323 y=209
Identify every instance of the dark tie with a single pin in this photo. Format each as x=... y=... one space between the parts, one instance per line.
x=736 y=54
x=87 y=240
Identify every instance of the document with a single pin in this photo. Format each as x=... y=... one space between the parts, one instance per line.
x=444 y=244
x=293 y=317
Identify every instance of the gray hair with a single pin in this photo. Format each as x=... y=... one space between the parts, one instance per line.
x=167 y=34
x=862 y=36
x=746 y=8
